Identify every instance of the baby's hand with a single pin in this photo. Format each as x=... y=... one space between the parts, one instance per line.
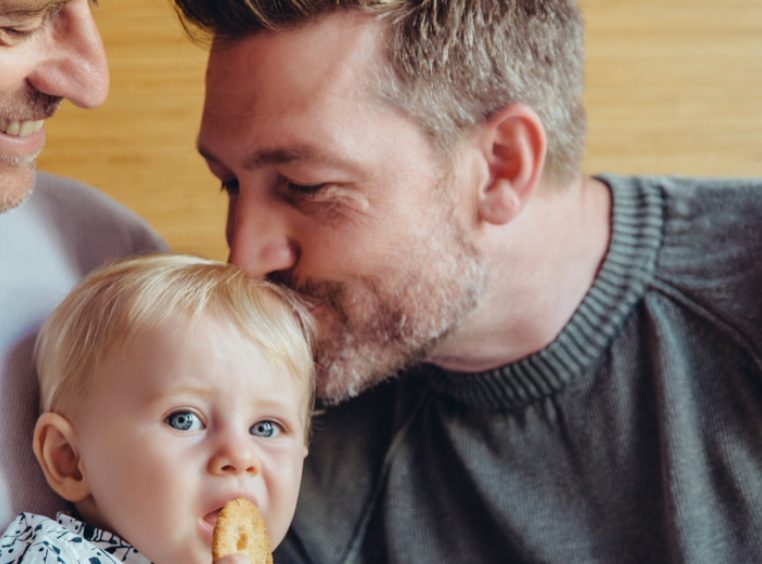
x=234 y=559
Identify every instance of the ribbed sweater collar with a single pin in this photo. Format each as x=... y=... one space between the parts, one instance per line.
x=636 y=220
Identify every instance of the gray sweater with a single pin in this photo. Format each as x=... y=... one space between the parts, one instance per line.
x=636 y=436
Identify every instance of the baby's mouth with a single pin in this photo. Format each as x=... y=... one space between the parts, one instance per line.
x=212 y=516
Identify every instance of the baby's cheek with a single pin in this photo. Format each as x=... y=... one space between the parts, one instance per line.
x=283 y=492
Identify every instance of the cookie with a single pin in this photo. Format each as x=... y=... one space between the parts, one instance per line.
x=240 y=528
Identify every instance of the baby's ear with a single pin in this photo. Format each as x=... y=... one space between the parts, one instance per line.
x=55 y=447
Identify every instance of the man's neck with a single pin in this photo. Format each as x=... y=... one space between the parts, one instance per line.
x=540 y=267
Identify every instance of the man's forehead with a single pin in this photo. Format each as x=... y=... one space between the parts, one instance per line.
x=28 y=7
x=329 y=57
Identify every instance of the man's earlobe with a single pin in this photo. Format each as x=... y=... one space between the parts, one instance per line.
x=514 y=143
x=56 y=450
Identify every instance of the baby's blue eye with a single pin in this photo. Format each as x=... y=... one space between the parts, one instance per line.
x=267 y=429
x=184 y=421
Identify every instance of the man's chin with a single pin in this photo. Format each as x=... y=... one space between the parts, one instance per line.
x=346 y=372
x=16 y=185
x=341 y=376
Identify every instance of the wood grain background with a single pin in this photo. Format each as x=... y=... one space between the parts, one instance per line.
x=673 y=86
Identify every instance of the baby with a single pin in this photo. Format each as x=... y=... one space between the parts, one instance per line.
x=169 y=385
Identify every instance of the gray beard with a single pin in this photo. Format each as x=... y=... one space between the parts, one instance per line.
x=401 y=325
x=25 y=104
x=8 y=203
x=10 y=196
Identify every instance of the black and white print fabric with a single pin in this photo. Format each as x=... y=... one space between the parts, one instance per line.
x=36 y=539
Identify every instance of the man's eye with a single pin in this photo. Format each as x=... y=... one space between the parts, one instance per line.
x=266 y=429
x=230 y=186
x=18 y=29
x=14 y=34
x=184 y=421
x=305 y=190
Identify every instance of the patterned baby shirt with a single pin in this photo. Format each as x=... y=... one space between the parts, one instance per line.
x=34 y=539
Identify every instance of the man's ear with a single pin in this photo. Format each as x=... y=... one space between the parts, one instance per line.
x=513 y=143
x=55 y=447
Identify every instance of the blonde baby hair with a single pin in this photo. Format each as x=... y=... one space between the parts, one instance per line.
x=121 y=301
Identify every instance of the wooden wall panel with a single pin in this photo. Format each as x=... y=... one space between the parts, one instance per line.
x=673 y=86
x=140 y=145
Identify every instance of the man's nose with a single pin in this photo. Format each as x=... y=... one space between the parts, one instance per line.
x=258 y=237
x=73 y=64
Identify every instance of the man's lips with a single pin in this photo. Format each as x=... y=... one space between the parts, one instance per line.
x=20 y=128
x=21 y=141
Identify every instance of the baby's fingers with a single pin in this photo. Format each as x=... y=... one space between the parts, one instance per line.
x=234 y=559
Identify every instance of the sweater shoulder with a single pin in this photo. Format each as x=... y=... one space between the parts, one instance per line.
x=89 y=225
x=711 y=252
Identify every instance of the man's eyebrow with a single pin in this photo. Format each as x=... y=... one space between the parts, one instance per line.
x=277 y=156
x=31 y=8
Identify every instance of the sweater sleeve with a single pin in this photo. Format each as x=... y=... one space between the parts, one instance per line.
x=712 y=256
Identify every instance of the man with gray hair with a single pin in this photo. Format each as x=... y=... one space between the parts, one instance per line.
x=52 y=230
x=578 y=359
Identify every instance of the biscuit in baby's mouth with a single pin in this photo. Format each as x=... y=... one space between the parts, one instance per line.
x=240 y=528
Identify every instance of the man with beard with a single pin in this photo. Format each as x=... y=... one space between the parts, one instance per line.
x=579 y=359
x=52 y=230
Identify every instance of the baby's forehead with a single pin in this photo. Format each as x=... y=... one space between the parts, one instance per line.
x=221 y=346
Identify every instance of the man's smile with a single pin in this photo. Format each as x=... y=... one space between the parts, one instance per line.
x=20 y=128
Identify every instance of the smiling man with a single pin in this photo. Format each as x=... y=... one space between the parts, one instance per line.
x=49 y=50
x=52 y=230
x=579 y=359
